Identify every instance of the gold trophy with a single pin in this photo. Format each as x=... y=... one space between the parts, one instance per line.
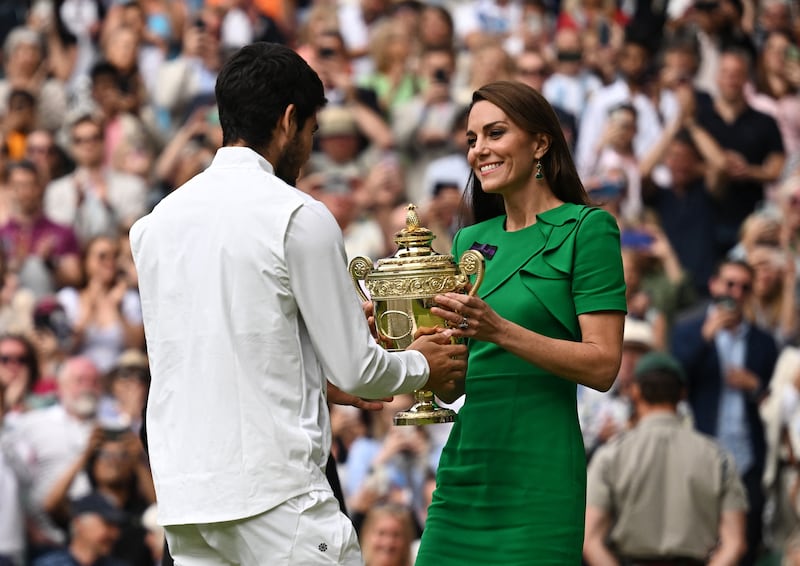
x=402 y=288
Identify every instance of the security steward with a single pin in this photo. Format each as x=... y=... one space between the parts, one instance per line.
x=662 y=493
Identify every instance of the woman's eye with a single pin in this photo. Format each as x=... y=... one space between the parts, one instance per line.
x=470 y=142
x=496 y=133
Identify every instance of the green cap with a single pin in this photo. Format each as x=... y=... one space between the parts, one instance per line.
x=659 y=361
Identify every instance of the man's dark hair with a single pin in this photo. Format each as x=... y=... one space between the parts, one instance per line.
x=256 y=85
x=736 y=262
x=21 y=94
x=660 y=386
x=24 y=164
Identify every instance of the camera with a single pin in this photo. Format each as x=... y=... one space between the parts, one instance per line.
x=725 y=302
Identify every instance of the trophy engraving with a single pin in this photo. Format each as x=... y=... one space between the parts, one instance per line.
x=402 y=288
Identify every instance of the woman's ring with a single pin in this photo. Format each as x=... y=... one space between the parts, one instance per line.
x=464 y=324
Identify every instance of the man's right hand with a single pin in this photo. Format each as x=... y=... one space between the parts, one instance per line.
x=447 y=361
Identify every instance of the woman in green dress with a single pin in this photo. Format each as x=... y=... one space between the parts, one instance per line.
x=549 y=314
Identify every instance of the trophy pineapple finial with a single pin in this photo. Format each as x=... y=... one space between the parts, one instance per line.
x=412 y=219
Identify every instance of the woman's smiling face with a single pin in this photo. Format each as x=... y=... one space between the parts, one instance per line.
x=499 y=152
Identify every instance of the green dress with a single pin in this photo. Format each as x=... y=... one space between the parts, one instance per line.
x=511 y=483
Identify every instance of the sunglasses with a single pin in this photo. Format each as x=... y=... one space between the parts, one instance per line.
x=87 y=139
x=744 y=287
x=531 y=72
x=18 y=360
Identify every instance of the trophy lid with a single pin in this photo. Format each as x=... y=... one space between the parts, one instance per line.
x=414 y=251
x=414 y=239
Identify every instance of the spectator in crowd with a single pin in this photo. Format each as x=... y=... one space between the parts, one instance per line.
x=773 y=306
x=615 y=152
x=780 y=412
x=451 y=169
x=436 y=28
x=104 y=312
x=93 y=199
x=638 y=506
x=333 y=65
x=16 y=302
x=120 y=49
x=49 y=439
x=188 y=152
x=634 y=59
x=13 y=492
x=751 y=160
x=187 y=81
x=52 y=338
x=728 y=363
x=393 y=79
x=479 y=22
x=49 y=158
x=488 y=63
x=94 y=527
x=44 y=254
x=20 y=376
x=531 y=68
x=26 y=68
x=640 y=304
x=774 y=90
x=121 y=123
x=387 y=535
x=389 y=464
x=571 y=85
x=115 y=464
x=423 y=125
x=19 y=120
x=685 y=204
x=128 y=383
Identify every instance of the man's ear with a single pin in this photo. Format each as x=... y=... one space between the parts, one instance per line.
x=287 y=125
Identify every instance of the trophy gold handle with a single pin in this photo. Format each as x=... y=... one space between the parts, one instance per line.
x=472 y=263
x=359 y=268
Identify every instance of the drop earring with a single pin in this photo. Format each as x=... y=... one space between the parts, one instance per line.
x=539 y=174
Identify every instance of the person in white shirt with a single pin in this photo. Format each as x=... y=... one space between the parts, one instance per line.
x=248 y=309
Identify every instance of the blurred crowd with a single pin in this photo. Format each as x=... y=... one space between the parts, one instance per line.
x=684 y=118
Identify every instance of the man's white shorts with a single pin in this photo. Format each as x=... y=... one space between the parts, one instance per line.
x=304 y=531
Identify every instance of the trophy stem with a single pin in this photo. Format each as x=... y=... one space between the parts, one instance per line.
x=424 y=411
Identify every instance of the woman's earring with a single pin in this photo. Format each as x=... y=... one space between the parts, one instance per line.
x=539 y=174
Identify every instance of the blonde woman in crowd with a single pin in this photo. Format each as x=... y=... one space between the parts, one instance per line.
x=773 y=304
x=393 y=79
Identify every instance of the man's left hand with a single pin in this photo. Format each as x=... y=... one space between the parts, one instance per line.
x=339 y=397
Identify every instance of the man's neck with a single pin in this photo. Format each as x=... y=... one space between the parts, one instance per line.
x=729 y=110
x=27 y=219
x=82 y=553
x=644 y=409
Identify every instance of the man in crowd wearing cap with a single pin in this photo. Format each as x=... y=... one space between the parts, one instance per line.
x=95 y=527
x=662 y=493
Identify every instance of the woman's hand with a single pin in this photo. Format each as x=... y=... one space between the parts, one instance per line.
x=469 y=316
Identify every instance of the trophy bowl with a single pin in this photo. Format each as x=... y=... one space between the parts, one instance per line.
x=402 y=287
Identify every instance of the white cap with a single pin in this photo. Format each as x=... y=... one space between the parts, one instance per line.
x=638 y=333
